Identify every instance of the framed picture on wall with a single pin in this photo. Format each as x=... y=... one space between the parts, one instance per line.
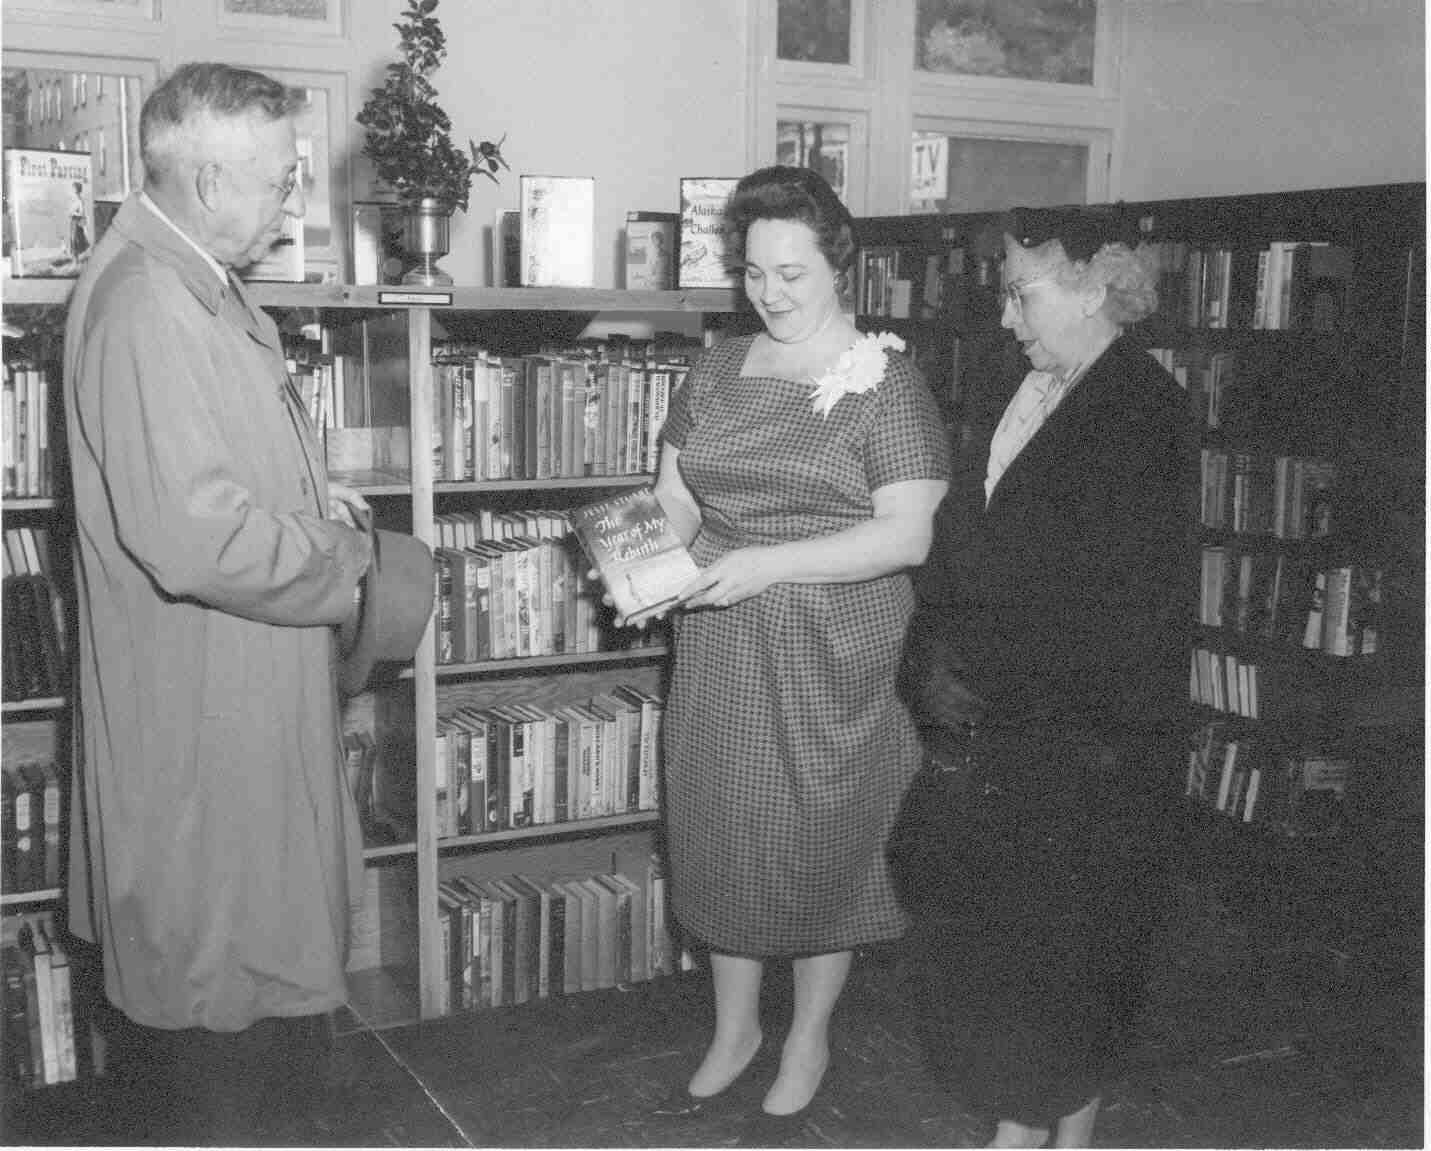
x=34 y=83
x=323 y=169
x=285 y=17
x=87 y=12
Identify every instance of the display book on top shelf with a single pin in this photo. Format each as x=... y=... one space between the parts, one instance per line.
x=506 y=781
x=1296 y=322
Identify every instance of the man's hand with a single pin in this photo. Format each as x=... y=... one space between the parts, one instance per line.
x=348 y=507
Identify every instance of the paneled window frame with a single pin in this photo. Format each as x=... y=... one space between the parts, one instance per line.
x=882 y=89
x=856 y=122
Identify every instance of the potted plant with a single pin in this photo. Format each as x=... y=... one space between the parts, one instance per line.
x=409 y=141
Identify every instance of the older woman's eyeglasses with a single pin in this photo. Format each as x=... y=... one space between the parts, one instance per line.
x=1014 y=293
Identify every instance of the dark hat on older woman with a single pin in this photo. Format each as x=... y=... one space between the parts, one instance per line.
x=394 y=609
x=1080 y=234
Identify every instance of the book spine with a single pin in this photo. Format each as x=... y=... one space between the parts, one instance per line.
x=9 y=437
x=614 y=415
x=557 y=936
x=441 y=769
x=659 y=398
x=51 y=824
x=27 y=870
x=645 y=794
x=528 y=599
x=542 y=419
x=17 y=1031
x=39 y=956
x=506 y=419
x=635 y=412
x=34 y=1022
x=443 y=632
x=1337 y=634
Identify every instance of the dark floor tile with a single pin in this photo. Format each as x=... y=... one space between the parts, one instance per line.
x=368 y=1100
x=1252 y=1037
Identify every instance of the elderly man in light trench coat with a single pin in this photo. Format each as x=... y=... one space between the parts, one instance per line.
x=215 y=849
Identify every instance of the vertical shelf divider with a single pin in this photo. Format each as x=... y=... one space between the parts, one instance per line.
x=419 y=346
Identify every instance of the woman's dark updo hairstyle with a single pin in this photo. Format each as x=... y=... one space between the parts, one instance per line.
x=782 y=192
x=1082 y=233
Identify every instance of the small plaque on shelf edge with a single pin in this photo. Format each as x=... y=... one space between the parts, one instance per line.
x=419 y=299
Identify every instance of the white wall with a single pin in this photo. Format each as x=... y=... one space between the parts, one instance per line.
x=1227 y=96
x=636 y=93
x=1221 y=96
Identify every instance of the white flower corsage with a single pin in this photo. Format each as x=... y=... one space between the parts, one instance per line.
x=859 y=369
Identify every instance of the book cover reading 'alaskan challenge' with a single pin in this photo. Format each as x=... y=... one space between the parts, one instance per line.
x=630 y=541
x=703 y=236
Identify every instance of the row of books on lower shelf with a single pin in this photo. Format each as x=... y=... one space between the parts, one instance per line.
x=30 y=809
x=25 y=430
x=519 y=938
x=1285 y=286
x=1226 y=682
x=1239 y=777
x=1290 y=497
x=32 y=618
x=508 y=596
x=542 y=417
x=887 y=279
x=33 y=638
x=1289 y=599
x=1204 y=376
x=507 y=766
x=42 y=1039
x=518 y=765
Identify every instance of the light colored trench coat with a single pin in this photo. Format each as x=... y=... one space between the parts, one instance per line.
x=215 y=849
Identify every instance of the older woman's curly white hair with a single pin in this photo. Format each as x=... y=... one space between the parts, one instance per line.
x=1128 y=274
x=1129 y=277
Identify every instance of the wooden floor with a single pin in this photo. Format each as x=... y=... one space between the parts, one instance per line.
x=1255 y=1037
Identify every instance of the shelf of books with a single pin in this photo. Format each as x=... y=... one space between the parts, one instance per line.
x=934 y=282
x=48 y=1038
x=45 y=1024
x=507 y=781
x=47 y=1042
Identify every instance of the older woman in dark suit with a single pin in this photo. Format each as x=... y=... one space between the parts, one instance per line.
x=1053 y=615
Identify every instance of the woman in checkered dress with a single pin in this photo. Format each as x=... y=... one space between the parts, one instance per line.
x=803 y=465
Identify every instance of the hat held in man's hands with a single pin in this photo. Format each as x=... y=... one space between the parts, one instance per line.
x=396 y=604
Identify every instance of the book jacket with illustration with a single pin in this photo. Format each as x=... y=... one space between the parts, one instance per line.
x=630 y=541
x=703 y=233
x=50 y=211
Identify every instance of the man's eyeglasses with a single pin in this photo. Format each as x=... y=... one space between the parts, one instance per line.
x=286 y=188
x=1013 y=293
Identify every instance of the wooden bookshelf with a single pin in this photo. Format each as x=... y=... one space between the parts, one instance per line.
x=402 y=965
x=409 y=987
x=1350 y=388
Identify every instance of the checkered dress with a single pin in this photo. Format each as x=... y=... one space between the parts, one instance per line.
x=787 y=750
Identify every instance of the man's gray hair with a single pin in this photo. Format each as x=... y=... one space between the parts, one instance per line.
x=171 y=124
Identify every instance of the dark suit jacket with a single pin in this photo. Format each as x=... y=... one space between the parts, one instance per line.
x=1070 y=597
